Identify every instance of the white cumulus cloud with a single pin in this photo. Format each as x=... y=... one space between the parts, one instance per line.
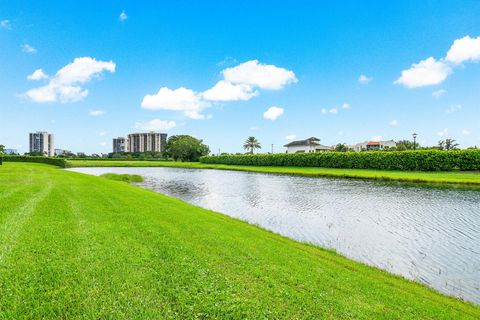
x=28 y=48
x=226 y=91
x=463 y=50
x=291 y=136
x=431 y=71
x=377 y=138
x=437 y=94
x=425 y=73
x=240 y=83
x=65 y=85
x=443 y=133
x=454 y=108
x=37 y=75
x=103 y=143
x=255 y=74
x=155 y=125
x=394 y=123
x=465 y=132
x=182 y=99
x=346 y=106
x=96 y=113
x=273 y=113
x=123 y=16
x=363 y=79
x=5 y=24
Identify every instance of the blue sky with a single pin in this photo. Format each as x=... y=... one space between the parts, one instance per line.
x=102 y=71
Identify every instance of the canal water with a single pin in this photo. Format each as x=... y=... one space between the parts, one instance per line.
x=430 y=235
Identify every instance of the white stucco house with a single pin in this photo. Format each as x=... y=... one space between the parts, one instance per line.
x=308 y=145
x=374 y=145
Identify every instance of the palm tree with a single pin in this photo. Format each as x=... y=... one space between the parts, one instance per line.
x=251 y=144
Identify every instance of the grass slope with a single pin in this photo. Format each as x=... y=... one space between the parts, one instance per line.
x=469 y=178
x=79 y=246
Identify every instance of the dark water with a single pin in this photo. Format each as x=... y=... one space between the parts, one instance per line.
x=430 y=235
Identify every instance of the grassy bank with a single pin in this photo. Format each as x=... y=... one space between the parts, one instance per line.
x=445 y=177
x=80 y=246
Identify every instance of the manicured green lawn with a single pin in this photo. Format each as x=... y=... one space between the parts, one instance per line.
x=80 y=246
x=471 y=178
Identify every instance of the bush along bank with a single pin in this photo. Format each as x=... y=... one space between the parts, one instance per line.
x=421 y=160
x=38 y=159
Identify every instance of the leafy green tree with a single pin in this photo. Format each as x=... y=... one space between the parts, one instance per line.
x=407 y=145
x=341 y=147
x=448 y=144
x=251 y=144
x=171 y=140
x=2 y=152
x=186 y=148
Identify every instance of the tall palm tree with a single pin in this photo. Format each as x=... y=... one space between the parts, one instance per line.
x=251 y=144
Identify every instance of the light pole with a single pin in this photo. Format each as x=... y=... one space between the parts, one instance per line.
x=272 y=148
x=414 y=141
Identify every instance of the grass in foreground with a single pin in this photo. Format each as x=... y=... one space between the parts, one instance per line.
x=80 y=246
x=130 y=178
x=450 y=177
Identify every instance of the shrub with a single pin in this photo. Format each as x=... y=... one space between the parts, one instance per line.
x=420 y=160
x=53 y=161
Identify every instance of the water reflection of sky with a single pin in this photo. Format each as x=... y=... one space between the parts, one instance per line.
x=427 y=234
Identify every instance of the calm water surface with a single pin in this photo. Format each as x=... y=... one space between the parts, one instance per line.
x=429 y=235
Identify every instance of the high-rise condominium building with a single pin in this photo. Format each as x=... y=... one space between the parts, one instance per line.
x=120 y=145
x=41 y=141
x=141 y=142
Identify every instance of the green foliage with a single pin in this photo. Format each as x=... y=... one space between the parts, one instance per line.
x=38 y=159
x=448 y=144
x=403 y=145
x=251 y=144
x=341 y=147
x=35 y=154
x=186 y=148
x=137 y=155
x=421 y=160
x=123 y=177
x=2 y=152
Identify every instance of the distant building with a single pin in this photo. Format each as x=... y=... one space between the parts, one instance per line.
x=308 y=145
x=42 y=141
x=11 y=151
x=59 y=152
x=374 y=145
x=120 y=145
x=141 y=142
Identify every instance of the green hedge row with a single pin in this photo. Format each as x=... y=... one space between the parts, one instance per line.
x=54 y=161
x=121 y=159
x=421 y=160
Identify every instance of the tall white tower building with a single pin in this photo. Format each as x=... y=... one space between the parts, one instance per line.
x=42 y=141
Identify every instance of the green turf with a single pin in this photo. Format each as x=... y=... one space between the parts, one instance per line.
x=79 y=246
x=123 y=177
x=451 y=177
